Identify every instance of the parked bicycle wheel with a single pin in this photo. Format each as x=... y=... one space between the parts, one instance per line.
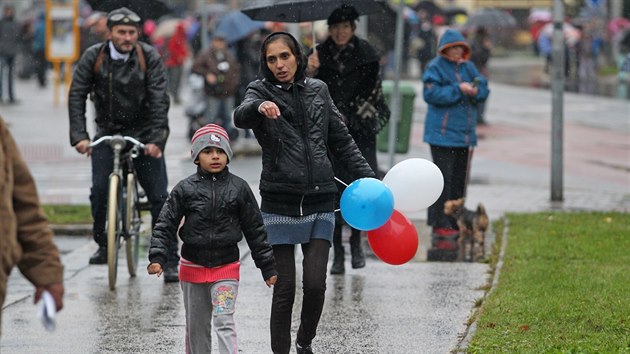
x=132 y=224
x=114 y=227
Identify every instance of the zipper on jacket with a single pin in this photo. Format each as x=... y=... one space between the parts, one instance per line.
x=278 y=150
x=307 y=148
x=214 y=207
x=307 y=153
x=111 y=95
x=444 y=123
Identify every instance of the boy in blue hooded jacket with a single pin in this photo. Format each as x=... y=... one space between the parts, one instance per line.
x=452 y=88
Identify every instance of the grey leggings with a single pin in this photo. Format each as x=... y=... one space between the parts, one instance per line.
x=207 y=304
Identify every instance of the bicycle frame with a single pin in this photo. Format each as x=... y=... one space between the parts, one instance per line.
x=123 y=167
x=123 y=213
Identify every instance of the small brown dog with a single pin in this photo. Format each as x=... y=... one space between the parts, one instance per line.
x=472 y=229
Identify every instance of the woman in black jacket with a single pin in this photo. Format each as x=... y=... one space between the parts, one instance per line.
x=298 y=127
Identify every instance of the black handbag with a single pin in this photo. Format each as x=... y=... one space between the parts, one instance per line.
x=372 y=113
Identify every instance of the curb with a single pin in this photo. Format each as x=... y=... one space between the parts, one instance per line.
x=86 y=229
x=71 y=229
x=467 y=336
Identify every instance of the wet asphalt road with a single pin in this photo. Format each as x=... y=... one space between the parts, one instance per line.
x=379 y=309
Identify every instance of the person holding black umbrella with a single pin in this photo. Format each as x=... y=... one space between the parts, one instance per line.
x=298 y=127
x=350 y=67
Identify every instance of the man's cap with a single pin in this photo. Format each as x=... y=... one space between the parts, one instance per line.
x=342 y=14
x=210 y=135
x=123 y=16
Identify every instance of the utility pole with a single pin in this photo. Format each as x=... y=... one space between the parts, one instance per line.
x=395 y=100
x=203 y=10
x=557 y=101
x=616 y=7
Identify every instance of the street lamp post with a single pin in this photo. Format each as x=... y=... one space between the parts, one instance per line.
x=557 y=92
x=395 y=100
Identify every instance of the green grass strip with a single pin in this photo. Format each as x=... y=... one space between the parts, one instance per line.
x=63 y=214
x=564 y=287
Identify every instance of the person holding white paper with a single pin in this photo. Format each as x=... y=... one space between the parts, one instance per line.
x=25 y=238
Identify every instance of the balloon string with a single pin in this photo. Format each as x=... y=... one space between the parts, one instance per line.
x=340 y=181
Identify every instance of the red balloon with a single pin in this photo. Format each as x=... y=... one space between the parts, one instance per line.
x=396 y=242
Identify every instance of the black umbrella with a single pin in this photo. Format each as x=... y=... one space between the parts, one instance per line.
x=306 y=10
x=146 y=9
x=312 y=10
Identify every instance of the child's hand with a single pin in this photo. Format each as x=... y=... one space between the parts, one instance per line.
x=271 y=281
x=155 y=268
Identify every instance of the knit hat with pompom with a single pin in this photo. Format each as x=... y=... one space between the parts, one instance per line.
x=210 y=135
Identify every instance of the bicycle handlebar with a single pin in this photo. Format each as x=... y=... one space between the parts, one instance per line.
x=112 y=137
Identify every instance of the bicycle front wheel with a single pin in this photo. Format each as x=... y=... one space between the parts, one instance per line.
x=114 y=227
x=132 y=224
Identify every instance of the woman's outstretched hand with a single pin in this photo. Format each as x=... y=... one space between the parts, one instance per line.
x=269 y=110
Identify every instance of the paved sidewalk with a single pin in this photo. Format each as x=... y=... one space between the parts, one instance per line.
x=510 y=173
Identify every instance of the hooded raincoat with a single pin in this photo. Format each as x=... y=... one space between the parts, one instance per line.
x=452 y=116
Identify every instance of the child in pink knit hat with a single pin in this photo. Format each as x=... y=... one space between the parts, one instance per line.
x=218 y=208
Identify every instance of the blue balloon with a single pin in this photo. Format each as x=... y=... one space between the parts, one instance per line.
x=367 y=204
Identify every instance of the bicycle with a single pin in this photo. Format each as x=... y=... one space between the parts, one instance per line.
x=123 y=206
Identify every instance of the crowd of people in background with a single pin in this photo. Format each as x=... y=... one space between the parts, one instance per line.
x=587 y=39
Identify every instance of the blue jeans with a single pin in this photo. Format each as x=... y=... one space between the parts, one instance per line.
x=7 y=62
x=152 y=177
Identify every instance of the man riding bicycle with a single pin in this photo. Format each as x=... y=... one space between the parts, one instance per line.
x=128 y=83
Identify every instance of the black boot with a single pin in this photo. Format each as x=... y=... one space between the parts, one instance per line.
x=338 y=266
x=100 y=256
x=303 y=349
x=339 y=259
x=358 y=258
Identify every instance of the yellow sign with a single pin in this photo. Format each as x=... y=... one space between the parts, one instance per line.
x=62 y=30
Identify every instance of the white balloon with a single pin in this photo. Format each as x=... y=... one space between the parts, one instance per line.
x=416 y=184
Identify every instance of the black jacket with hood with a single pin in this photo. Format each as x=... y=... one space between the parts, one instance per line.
x=128 y=100
x=218 y=209
x=297 y=177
